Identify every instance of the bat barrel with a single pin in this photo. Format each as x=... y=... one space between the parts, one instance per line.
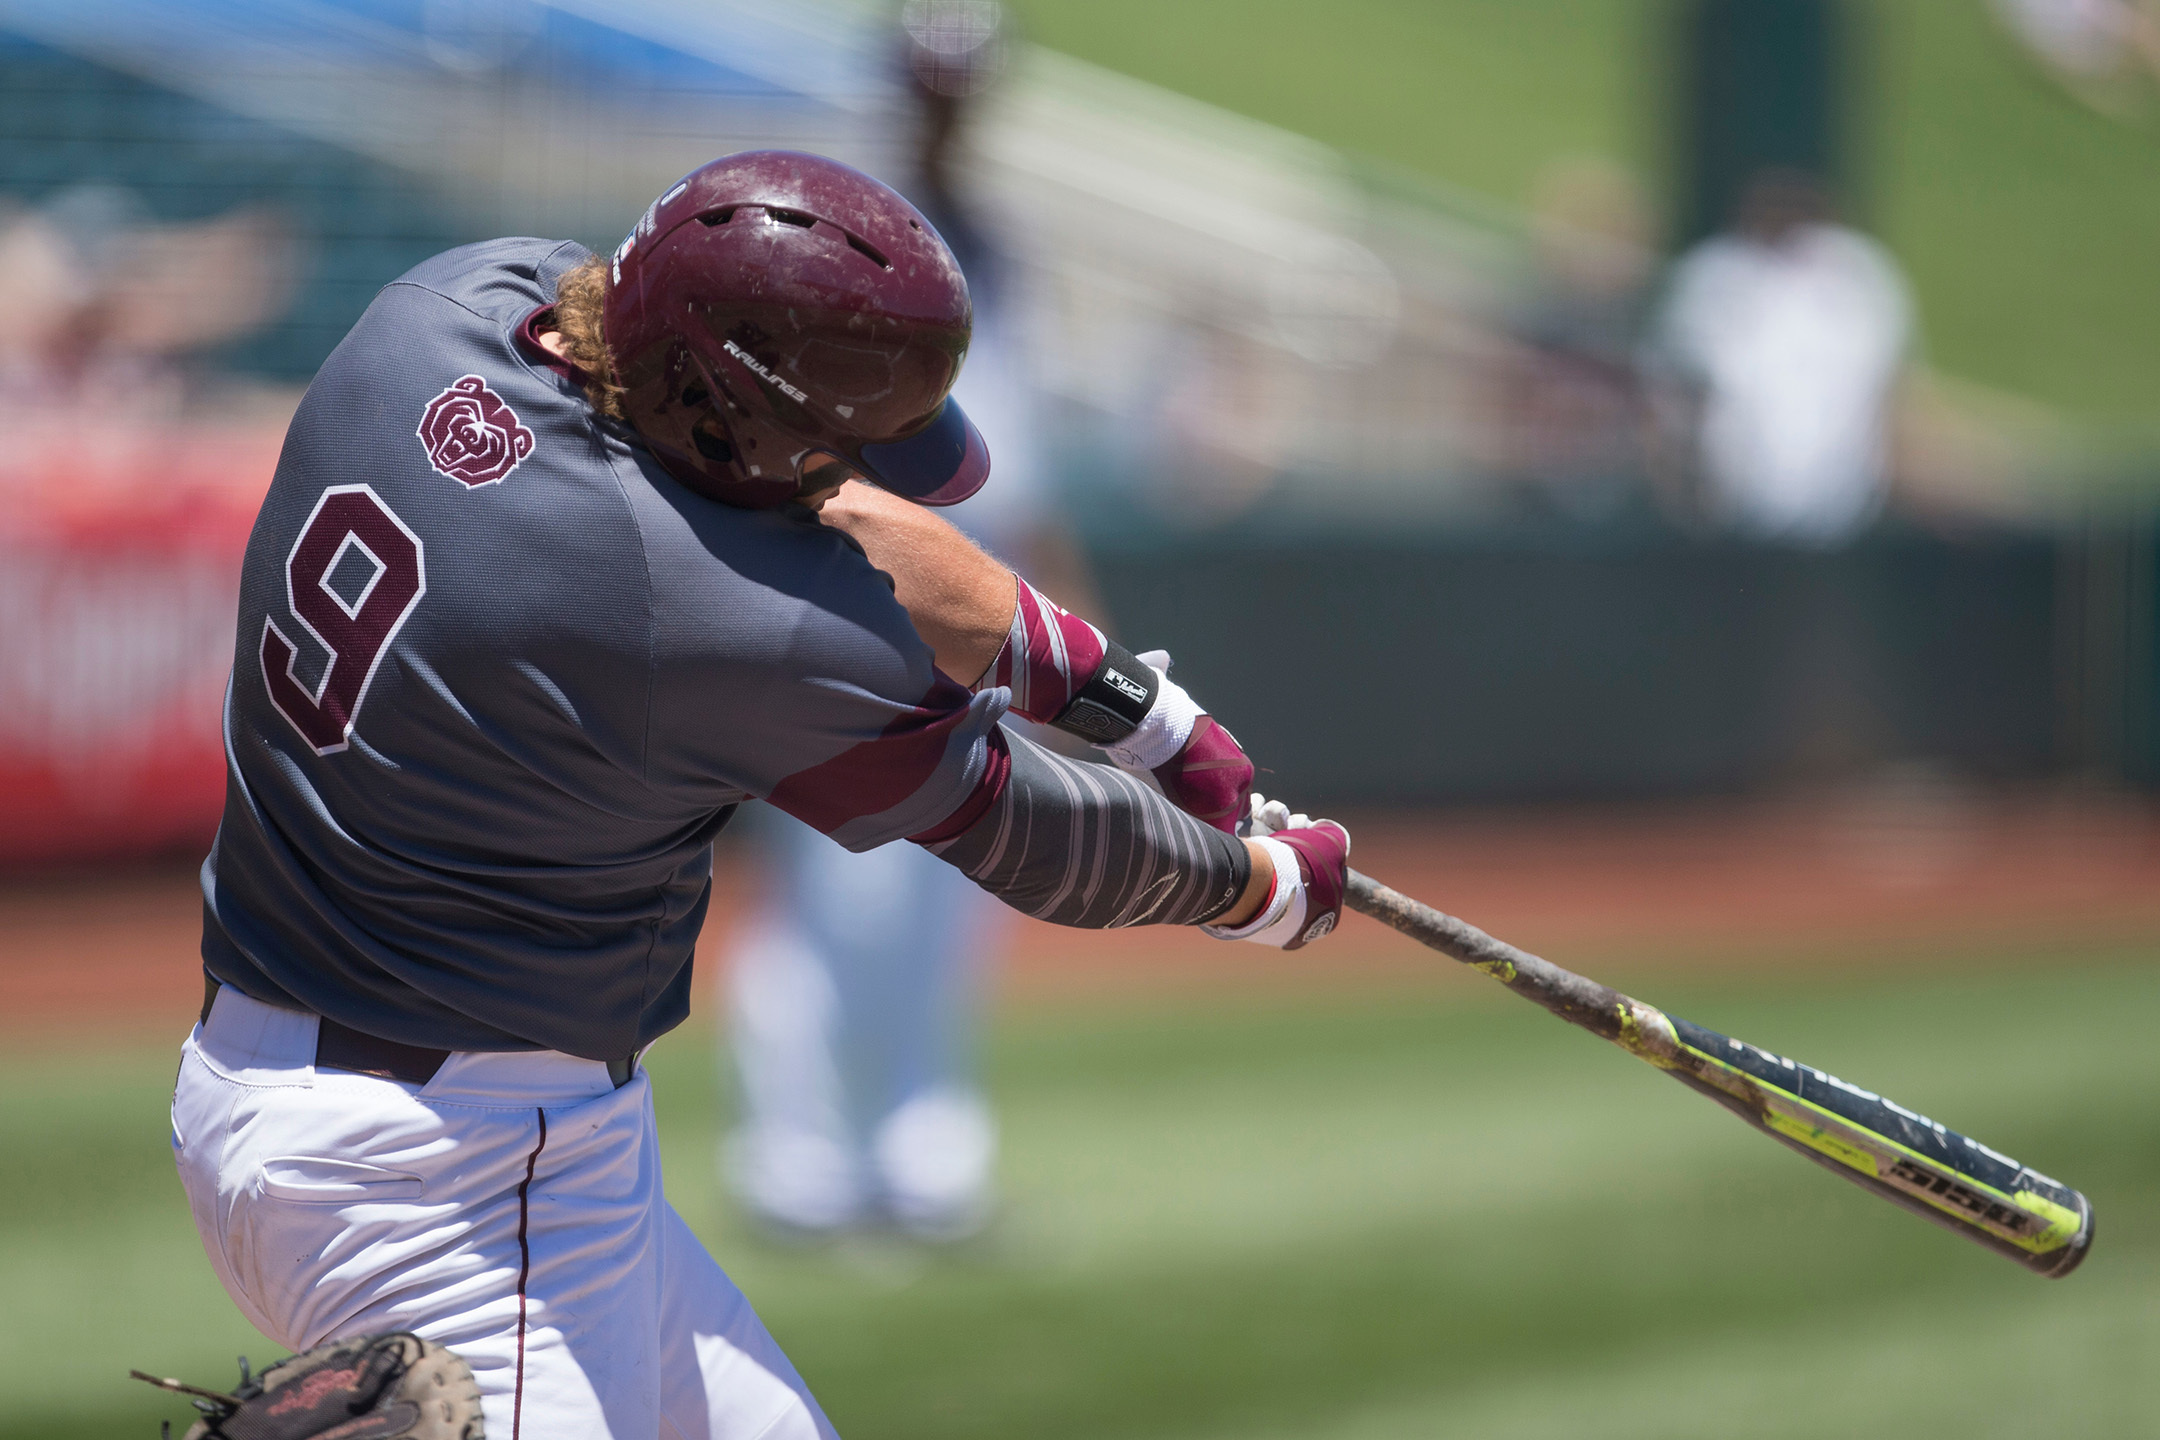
x=1901 y=1155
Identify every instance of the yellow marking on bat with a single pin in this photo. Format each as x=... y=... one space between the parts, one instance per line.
x=1655 y=1041
x=2062 y=1221
x=1816 y=1137
x=1827 y=1132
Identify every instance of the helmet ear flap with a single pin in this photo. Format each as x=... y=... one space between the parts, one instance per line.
x=697 y=431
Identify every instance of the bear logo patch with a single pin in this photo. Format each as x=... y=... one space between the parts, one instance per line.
x=471 y=435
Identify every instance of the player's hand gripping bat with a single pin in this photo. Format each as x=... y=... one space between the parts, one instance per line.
x=1904 y=1157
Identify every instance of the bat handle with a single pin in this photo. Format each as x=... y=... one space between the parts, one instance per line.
x=1600 y=1009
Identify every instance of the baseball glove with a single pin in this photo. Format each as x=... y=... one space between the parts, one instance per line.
x=372 y=1387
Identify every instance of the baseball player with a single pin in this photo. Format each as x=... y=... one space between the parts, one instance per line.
x=541 y=591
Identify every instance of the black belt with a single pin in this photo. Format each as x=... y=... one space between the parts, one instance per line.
x=340 y=1047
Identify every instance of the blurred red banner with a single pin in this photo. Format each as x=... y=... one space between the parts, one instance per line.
x=119 y=581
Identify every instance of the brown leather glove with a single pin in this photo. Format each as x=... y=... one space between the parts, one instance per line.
x=395 y=1386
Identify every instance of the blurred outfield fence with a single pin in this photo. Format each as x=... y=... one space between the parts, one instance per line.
x=1542 y=665
x=1311 y=418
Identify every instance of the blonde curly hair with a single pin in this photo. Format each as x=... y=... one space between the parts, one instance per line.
x=580 y=297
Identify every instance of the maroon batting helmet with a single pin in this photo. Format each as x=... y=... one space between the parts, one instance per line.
x=775 y=306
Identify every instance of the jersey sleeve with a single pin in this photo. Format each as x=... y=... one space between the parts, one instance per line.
x=784 y=669
x=936 y=759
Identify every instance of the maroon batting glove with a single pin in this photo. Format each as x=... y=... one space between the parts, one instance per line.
x=1312 y=867
x=1323 y=853
x=1211 y=778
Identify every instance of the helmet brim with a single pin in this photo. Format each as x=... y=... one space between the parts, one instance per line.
x=941 y=464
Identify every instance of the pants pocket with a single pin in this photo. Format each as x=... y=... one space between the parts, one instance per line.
x=323 y=1180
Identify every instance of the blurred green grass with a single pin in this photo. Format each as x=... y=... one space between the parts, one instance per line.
x=1420 y=1211
x=2026 y=219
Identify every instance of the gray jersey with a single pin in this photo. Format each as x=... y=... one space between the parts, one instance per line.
x=500 y=680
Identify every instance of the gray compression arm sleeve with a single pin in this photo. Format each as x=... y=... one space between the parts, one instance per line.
x=1090 y=846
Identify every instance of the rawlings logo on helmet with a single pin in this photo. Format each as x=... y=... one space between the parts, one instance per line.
x=471 y=435
x=763 y=371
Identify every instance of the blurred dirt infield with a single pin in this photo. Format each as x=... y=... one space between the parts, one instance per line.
x=1890 y=871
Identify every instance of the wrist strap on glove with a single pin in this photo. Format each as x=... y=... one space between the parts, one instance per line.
x=1282 y=918
x=1114 y=699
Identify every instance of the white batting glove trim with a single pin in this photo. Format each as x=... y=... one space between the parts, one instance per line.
x=1268 y=816
x=1168 y=726
x=1282 y=919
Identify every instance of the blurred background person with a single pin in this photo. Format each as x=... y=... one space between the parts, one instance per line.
x=854 y=984
x=1778 y=343
x=1781 y=339
x=1776 y=354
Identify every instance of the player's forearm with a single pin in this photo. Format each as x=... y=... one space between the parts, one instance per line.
x=1091 y=846
x=988 y=627
x=1259 y=885
x=960 y=599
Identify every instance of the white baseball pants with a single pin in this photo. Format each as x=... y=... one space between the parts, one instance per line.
x=510 y=1209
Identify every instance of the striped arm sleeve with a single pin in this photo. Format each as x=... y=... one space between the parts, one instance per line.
x=1049 y=654
x=1094 y=847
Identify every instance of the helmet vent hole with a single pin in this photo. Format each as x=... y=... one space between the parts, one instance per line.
x=717 y=217
x=695 y=393
x=791 y=217
x=914 y=224
x=712 y=445
x=863 y=247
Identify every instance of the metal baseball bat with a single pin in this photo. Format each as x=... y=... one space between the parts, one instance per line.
x=1878 y=1144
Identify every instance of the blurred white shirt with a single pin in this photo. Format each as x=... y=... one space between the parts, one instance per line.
x=2083 y=38
x=1795 y=347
